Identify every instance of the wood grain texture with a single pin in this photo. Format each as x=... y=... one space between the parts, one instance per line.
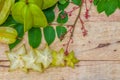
x=97 y=63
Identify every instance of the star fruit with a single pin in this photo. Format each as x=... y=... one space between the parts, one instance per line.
x=58 y=58
x=44 y=57
x=30 y=59
x=15 y=58
x=71 y=60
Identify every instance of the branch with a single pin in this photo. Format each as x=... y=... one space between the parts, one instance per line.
x=72 y=32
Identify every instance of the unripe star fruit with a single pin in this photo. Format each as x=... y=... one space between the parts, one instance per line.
x=5 y=7
x=58 y=58
x=48 y=3
x=43 y=4
x=29 y=14
x=37 y=2
x=8 y=35
x=71 y=60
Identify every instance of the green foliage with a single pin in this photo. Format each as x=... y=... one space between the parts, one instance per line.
x=119 y=4
x=49 y=34
x=50 y=15
x=107 y=6
x=96 y=2
x=113 y=6
x=77 y=2
x=62 y=17
x=61 y=31
x=101 y=6
x=34 y=36
x=9 y=22
x=62 y=1
x=63 y=6
x=20 y=29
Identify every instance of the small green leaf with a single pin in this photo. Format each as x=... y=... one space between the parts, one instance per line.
x=119 y=4
x=11 y=46
x=9 y=22
x=62 y=1
x=111 y=7
x=34 y=36
x=20 y=29
x=50 y=15
x=62 y=17
x=96 y=2
x=77 y=2
x=49 y=34
x=61 y=31
x=63 y=6
x=101 y=6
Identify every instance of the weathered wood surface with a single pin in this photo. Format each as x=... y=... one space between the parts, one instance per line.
x=96 y=63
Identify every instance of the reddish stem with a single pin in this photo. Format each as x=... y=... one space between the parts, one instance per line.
x=70 y=12
x=84 y=30
x=72 y=32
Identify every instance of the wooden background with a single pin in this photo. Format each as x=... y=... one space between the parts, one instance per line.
x=97 y=63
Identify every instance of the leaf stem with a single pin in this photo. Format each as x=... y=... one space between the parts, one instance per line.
x=74 y=25
x=73 y=29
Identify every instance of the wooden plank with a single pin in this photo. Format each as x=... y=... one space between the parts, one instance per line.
x=90 y=70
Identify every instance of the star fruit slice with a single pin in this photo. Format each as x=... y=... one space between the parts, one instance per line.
x=15 y=58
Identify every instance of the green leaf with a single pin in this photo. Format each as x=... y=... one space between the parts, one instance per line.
x=49 y=34
x=63 y=6
x=62 y=1
x=62 y=17
x=34 y=37
x=20 y=30
x=111 y=7
x=61 y=31
x=50 y=15
x=119 y=4
x=77 y=2
x=11 y=46
x=9 y=22
x=96 y=2
x=101 y=6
